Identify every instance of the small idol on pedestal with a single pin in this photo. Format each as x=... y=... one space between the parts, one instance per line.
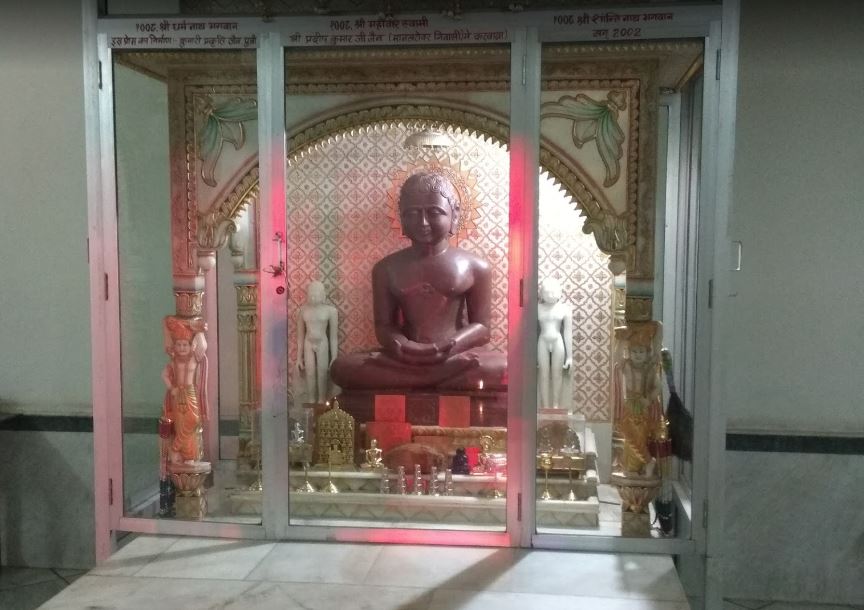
x=317 y=342
x=373 y=456
x=460 y=462
x=554 y=345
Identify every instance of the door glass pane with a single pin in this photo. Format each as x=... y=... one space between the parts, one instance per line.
x=397 y=213
x=186 y=149
x=603 y=451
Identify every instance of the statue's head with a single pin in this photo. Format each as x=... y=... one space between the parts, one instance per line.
x=315 y=293
x=184 y=336
x=550 y=290
x=428 y=207
x=641 y=340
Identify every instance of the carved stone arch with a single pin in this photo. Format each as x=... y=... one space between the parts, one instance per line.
x=610 y=231
x=216 y=225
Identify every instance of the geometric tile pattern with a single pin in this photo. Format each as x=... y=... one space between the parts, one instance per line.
x=572 y=257
x=339 y=224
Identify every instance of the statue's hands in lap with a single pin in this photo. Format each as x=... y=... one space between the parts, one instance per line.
x=412 y=352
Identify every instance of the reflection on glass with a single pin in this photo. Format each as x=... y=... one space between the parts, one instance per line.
x=186 y=149
x=574 y=343
x=402 y=223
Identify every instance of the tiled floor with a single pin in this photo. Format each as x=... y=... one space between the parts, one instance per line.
x=163 y=573
x=190 y=573
x=753 y=604
x=27 y=588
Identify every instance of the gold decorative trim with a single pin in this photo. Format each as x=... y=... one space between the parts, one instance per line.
x=638 y=309
x=613 y=233
x=217 y=225
x=247 y=295
x=189 y=303
x=609 y=230
x=417 y=116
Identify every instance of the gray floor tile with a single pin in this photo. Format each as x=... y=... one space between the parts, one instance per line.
x=208 y=558
x=135 y=555
x=69 y=576
x=807 y=606
x=139 y=593
x=16 y=577
x=442 y=567
x=749 y=604
x=328 y=596
x=315 y=562
x=28 y=597
x=484 y=600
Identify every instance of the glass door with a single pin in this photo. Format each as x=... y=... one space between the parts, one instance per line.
x=185 y=139
x=398 y=250
x=613 y=451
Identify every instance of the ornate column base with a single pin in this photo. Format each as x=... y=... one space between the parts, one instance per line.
x=188 y=480
x=635 y=525
x=636 y=492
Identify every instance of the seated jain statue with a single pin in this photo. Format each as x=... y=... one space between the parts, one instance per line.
x=554 y=343
x=432 y=304
x=317 y=342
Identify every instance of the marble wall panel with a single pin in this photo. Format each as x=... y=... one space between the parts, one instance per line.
x=794 y=527
x=46 y=499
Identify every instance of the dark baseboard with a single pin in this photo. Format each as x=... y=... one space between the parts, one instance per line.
x=735 y=441
x=83 y=423
x=784 y=443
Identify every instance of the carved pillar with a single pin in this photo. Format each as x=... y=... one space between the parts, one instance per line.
x=619 y=298
x=639 y=431
x=186 y=406
x=247 y=356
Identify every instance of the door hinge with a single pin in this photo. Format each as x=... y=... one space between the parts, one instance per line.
x=519 y=506
x=110 y=492
x=705 y=514
x=105 y=286
x=521 y=292
x=710 y=294
x=88 y=250
x=717 y=65
x=100 y=75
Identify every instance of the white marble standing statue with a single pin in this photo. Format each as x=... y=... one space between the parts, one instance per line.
x=554 y=345
x=317 y=342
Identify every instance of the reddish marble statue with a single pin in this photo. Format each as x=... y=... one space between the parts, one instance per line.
x=432 y=304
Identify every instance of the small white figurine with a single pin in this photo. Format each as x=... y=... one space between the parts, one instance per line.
x=317 y=342
x=554 y=344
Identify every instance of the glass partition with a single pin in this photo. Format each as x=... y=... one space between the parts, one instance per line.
x=604 y=454
x=397 y=212
x=186 y=150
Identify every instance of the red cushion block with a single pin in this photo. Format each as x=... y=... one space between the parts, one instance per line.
x=390 y=407
x=454 y=411
x=388 y=434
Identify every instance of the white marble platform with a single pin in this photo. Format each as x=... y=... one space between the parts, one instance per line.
x=192 y=573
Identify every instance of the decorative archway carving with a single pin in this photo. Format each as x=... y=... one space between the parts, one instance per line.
x=608 y=229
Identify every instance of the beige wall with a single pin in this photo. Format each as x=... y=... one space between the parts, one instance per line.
x=790 y=349
x=44 y=283
x=795 y=336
